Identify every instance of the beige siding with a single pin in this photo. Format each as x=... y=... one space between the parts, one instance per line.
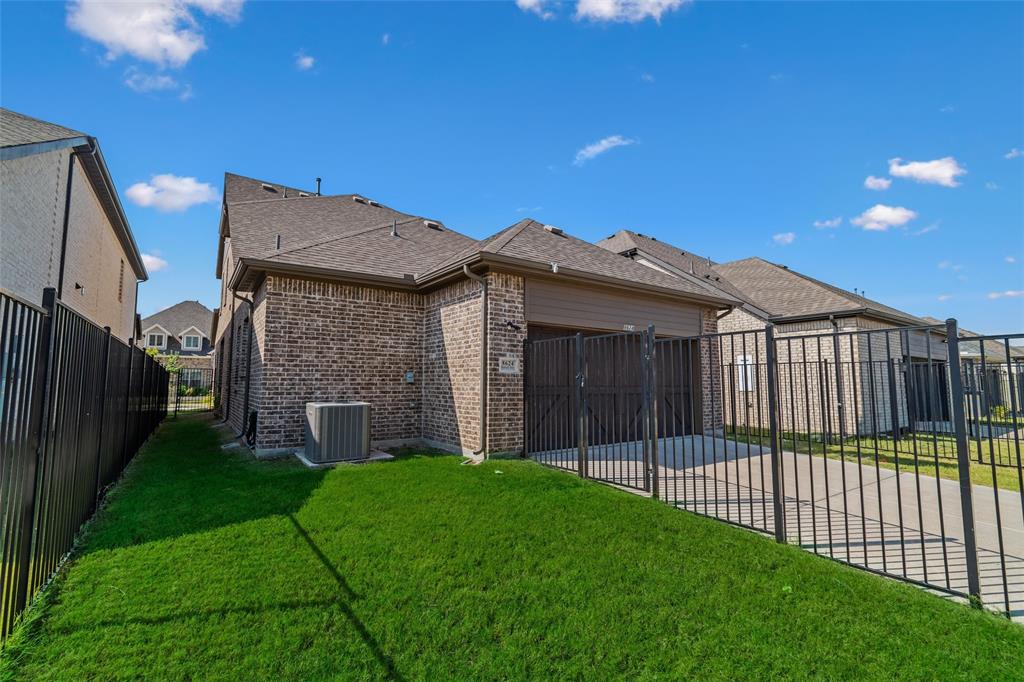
x=32 y=201
x=560 y=304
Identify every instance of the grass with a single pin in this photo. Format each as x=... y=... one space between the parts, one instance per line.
x=891 y=453
x=207 y=564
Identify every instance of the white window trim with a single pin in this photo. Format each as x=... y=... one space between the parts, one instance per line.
x=197 y=337
x=162 y=346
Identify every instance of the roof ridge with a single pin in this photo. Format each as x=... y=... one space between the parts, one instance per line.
x=338 y=237
x=511 y=232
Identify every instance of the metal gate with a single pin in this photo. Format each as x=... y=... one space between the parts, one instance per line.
x=191 y=390
x=865 y=446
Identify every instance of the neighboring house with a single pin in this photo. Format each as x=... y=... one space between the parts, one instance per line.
x=343 y=298
x=799 y=307
x=62 y=224
x=184 y=330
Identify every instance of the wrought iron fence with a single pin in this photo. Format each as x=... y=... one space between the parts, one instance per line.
x=75 y=405
x=896 y=450
x=190 y=389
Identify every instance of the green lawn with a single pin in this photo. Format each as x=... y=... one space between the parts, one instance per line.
x=209 y=565
x=892 y=452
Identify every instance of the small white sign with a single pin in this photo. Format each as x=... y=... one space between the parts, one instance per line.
x=629 y=327
x=508 y=364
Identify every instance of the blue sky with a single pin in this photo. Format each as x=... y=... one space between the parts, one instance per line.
x=728 y=129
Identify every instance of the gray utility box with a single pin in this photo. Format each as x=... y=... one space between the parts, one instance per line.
x=337 y=432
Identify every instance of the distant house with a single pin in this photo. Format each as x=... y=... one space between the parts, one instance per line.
x=184 y=330
x=62 y=224
x=801 y=306
x=340 y=297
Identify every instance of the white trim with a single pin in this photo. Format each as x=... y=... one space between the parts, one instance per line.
x=162 y=346
x=185 y=346
x=156 y=326
x=183 y=331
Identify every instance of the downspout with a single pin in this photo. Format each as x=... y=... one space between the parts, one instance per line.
x=67 y=218
x=483 y=357
x=248 y=366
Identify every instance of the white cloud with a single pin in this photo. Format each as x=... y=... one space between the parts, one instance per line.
x=881 y=217
x=925 y=230
x=538 y=7
x=647 y=77
x=169 y=193
x=942 y=171
x=385 y=39
x=784 y=238
x=600 y=147
x=948 y=109
x=303 y=62
x=630 y=11
x=164 y=32
x=1010 y=259
x=944 y=297
x=831 y=222
x=871 y=182
x=153 y=263
x=992 y=186
x=777 y=76
x=1012 y=154
x=1010 y=293
x=148 y=82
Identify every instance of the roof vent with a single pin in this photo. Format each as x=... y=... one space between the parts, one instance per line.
x=360 y=199
x=371 y=202
x=394 y=228
x=554 y=230
x=432 y=224
x=269 y=188
x=303 y=194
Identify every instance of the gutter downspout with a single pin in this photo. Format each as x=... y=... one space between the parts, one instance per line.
x=482 y=281
x=248 y=366
x=67 y=217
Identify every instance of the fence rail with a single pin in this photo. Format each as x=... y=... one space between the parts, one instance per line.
x=896 y=450
x=75 y=405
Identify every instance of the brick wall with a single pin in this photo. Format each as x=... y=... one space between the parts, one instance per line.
x=506 y=304
x=451 y=366
x=329 y=341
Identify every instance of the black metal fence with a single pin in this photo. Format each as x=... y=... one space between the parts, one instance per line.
x=896 y=450
x=75 y=405
x=190 y=389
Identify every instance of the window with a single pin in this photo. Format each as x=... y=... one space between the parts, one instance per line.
x=745 y=373
x=120 y=283
x=192 y=342
x=156 y=340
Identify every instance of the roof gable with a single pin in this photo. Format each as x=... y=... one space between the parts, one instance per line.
x=180 y=317
x=19 y=129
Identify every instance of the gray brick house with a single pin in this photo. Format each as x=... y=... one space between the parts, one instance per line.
x=183 y=329
x=343 y=298
x=62 y=224
x=800 y=306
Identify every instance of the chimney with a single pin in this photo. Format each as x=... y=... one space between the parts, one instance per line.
x=318 y=186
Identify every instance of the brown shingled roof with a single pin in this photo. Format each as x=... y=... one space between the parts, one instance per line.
x=785 y=293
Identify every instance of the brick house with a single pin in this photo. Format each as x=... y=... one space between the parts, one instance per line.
x=62 y=224
x=184 y=329
x=343 y=298
x=800 y=308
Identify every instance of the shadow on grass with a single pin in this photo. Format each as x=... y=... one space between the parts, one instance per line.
x=183 y=482
x=382 y=658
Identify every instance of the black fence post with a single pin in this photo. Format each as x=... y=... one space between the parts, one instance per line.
x=103 y=414
x=963 y=458
x=128 y=402
x=42 y=380
x=581 y=435
x=651 y=406
x=771 y=370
